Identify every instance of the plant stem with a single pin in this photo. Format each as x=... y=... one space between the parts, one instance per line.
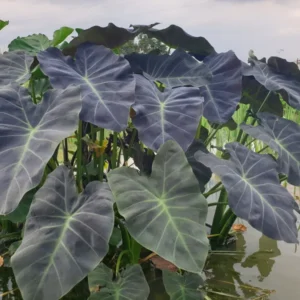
x=125 y=235
x=241 y=131
x=120 y=260
x=263 y=103
x=261 y=150
x=198 y=133
x=230 y=218
x=114 y=153
x=244 y=140
x=216 y=203
x=211 y=191
x=65 y=149
x=94 y=137
x=212 y=135
x=31 y=83
x=101 y=158
x=79 y=157
x=218 y=216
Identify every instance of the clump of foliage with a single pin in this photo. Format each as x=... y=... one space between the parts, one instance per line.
x=145 y=127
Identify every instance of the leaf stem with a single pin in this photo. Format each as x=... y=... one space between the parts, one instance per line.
x=101 y=158
x=219 y=213
x=212 y=135
x=198 y=133
x=79 y=157
x=114 y=153
x=241 y=131
x=120 y=260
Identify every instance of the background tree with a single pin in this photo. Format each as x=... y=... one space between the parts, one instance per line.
x=143 y=44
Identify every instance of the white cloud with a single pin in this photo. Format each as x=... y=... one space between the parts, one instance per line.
x=263 y=25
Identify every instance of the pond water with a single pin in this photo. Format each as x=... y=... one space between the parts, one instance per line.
x=254 y=267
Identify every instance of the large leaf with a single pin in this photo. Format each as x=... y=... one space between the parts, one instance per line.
x=107 y=85
x=31 y=44
x=283 y=136
x=3 y=24
x=170 y=115
x=202 y=173
x=178 y=69
x=175 y=37
x=66 y=236
x=29 y=135
x=254 y=191
x=283 y=66
x=20 y=213
x=165 y=212
x=183 y=287
x=129 y=284
x=60 y=35
x=223 y=93
x=14 y=67
x=256 y=94
x=288 y=86
x=110 y=36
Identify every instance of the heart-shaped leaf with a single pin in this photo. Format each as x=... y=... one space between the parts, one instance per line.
x=170 y=115
x=283 y=136
x=288 y=86
x=31 y=44
x=257 y=96
x=202 y=173
x=223 y=93
x=20 y=213
x=29 y=135
x=60 y=35
x=107 y=85
x=129 y=284
x=283 y=66
x=254 y=191
x=178 y=69
x=165 y=212
x=14 y=67
x=110 y=36
x=181 y=287
x=66 y=236
x=175 y=37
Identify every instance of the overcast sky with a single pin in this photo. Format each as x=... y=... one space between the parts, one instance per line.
x=269 y=27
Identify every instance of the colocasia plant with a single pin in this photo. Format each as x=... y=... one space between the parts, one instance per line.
x=106 y=158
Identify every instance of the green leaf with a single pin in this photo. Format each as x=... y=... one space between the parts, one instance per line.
x=13 y=247
x=31 y=44
x=66 y=236
x=29 y=135
x=202 y=173
x=130 y=284
x=255 y=94
x=3 y=24
x=60 y=35
x=254 y=191
x=283 y=136
x=39 y=87
x=116 y=237
x=183 y=287
x=14 y=67
x=20 y=213
x=165 y=212
x=110 y=36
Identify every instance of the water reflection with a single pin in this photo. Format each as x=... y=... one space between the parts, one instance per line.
x=224 y=281
x=243 y=270
x=262 y=258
